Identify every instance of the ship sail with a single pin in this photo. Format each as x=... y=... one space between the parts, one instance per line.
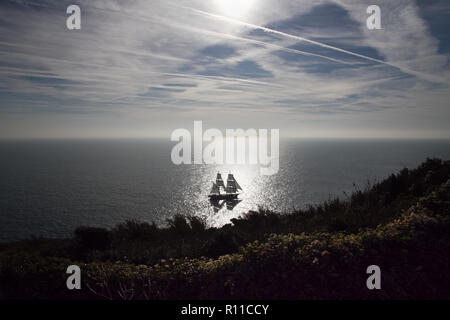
x=232 y=185
x=219 y=181
x=237 y=185
x=215 y=189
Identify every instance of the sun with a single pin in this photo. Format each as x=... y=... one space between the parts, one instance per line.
x=235 y=8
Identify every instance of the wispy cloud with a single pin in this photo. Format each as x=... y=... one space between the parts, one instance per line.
x=144 y=68
x=428 y=77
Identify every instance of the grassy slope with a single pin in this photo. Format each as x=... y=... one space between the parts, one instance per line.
x=401 y=224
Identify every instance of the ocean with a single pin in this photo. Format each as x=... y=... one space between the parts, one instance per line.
x=50 y=187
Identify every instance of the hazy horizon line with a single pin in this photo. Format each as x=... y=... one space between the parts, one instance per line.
x=168 y=138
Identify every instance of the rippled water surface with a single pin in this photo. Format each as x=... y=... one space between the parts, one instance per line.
x=49 y=188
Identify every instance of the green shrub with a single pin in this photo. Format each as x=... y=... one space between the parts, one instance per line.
x=90 y=238
x=135 y=230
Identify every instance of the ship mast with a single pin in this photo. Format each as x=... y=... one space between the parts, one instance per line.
x=231 y=188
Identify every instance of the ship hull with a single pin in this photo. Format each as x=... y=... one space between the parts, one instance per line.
x=225 y=196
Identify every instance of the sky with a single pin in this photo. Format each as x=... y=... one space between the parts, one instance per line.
x=140 y=68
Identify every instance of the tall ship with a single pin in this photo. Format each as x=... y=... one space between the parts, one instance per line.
x=220 y=191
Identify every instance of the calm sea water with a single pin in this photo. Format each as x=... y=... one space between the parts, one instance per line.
x=48 y=188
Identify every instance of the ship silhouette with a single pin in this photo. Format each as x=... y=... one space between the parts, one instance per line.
x=221 y=192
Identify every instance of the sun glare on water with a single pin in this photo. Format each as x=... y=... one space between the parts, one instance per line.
x=235 y=8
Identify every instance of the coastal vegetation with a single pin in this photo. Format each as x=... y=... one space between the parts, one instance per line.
x=401 y=224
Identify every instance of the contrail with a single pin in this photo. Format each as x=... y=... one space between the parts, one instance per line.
x=284 y=34
x=266 y=44
x=320 y=44
x=425 y=76
x=295 y=51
